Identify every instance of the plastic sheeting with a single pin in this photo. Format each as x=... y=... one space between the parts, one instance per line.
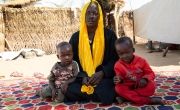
x=159 y=20
x=61 y=3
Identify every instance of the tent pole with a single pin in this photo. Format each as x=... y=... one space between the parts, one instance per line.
x=134 y=37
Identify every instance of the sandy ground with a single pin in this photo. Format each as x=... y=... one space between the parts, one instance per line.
x=43 y=64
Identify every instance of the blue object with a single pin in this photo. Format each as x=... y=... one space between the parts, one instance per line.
x=114 y=108
x=170 y=98
x=165 y=108
x=27 y=105
x=41 y=103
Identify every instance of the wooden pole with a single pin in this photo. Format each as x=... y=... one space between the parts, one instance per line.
x=7 y=44
x=134 y=37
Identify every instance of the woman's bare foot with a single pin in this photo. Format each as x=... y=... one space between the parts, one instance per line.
x=120 y=100
x=156 y=101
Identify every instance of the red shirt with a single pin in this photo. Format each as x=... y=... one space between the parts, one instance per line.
x=133 y=72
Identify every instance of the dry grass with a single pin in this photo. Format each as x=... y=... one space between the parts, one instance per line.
x=39 y=27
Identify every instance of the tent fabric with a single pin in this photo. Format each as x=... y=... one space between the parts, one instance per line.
x=12 y=55
x=158 y=20
x=61 y=3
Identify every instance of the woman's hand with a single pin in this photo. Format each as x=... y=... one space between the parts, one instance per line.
x=96 y=78
x=85 y=81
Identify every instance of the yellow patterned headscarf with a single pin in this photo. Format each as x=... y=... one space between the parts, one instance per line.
x=91 y=60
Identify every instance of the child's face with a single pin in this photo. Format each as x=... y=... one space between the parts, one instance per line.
x=65 y=54
x=124 y=52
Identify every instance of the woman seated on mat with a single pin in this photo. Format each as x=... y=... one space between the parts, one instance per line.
x=94 y=51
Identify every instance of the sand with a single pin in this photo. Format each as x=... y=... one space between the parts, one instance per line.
x=43 y=64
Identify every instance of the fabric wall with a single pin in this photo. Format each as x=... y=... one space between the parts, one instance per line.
x=61 y=3
x=159 y=20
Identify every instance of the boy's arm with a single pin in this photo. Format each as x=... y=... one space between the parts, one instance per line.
x=148 y=73
x=118 y=73
x=51 y=79
x=118 y=70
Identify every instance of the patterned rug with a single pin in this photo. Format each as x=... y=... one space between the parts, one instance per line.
x=21 y=95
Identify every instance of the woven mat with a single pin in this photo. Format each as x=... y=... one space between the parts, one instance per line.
x=21 y=95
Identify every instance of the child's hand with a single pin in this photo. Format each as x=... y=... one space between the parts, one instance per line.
x=54 y=94
x=117 y=79
x=64 y=88
x=143 y=83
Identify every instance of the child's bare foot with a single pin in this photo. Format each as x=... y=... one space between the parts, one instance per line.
x=39 y=93
x=156 y=101
x=120 y=100
x=58 y=101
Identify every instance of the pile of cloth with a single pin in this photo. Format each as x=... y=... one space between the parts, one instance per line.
x=23 y=53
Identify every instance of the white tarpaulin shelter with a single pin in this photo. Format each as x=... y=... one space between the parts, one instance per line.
x=157 y=20
x=61 y=3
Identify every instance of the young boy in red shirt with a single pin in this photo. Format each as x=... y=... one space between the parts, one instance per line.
x=134 y=79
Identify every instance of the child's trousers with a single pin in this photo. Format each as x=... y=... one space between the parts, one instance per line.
x=138 y=96
x=46 y=92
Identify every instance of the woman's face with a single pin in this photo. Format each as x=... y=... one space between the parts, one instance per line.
x=92 y=15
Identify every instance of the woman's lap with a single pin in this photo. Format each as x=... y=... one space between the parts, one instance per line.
x=104 y=92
